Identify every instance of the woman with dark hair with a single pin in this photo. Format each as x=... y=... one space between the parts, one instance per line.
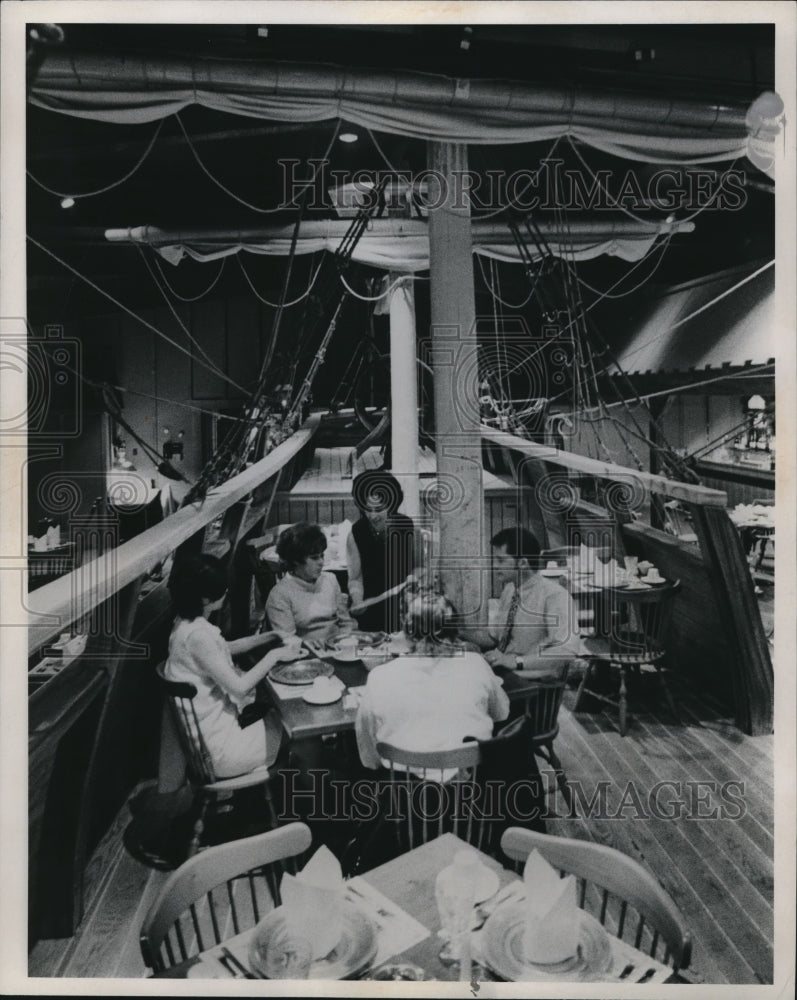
x=199 y=654
x=433 y=699
x=306 y=602
x=380 y=551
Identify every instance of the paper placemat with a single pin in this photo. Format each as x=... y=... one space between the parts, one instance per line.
x=396 y=929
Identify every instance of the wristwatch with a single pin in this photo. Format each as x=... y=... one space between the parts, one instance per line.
x=519 y=663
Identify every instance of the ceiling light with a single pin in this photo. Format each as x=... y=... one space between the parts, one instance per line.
x=67 y=202
x=348 y=137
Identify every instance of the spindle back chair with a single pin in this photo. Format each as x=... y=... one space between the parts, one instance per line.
x=219 y=893
x=613 y=888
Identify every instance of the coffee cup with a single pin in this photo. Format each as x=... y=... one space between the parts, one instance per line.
x=653 y=576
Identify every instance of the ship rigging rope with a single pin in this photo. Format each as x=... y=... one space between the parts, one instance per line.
x=660 y=248
x=214 y=367
x=605 y=294
x=276 y=305
x=382 y=295
x=666 y=451
x=516 y=203
x=130 y=312
x=108 y=187
x=232 y=194
x=189 y=298
x=495 y=295
x=621 y=208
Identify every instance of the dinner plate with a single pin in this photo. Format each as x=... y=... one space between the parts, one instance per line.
x=301 y=672
x=502 y=946
x=354 y=952
x=322 y=697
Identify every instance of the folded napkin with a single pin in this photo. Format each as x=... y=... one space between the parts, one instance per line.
x=313 y=900
x=552 y=915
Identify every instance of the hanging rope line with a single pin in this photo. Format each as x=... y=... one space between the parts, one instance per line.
x=108 y=187
x=232 y=194
x=514 y=205
x=659 y=247
x=621 y=208
x=382 y=295
x=508 y=305
x=275 y=305
x=213 y=366
x=127 y=310
x=188 y=298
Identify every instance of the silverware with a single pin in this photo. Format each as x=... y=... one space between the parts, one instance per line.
x=238 y=969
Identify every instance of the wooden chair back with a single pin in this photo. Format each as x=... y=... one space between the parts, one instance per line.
x=640 y=622
x=424 y=800
x=180 y=696
x=543 y=704
x=219 y=893
x=615 y=889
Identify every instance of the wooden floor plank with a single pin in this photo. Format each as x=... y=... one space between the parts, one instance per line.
x=108 y=929
x=718 y=957
x=737 y=901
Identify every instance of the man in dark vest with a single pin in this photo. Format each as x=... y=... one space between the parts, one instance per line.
x=380 y=552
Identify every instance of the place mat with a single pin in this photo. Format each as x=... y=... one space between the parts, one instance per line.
x=396 y=929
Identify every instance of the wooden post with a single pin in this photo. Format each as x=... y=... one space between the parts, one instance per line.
x=455 y=366
x=404 y=391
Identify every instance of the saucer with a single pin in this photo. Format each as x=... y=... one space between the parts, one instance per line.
x=322 y=697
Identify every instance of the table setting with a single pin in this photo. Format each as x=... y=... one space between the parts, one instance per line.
x=439 y=912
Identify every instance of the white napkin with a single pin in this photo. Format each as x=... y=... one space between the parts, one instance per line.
x=552 y=917
x=313 y=900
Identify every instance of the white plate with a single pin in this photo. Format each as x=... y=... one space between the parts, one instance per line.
x=345 y=655
x=351 y=956
x=502 y=943
x=322 y=698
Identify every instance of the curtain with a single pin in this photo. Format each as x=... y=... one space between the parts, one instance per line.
x=409 y=254
x=641 y=127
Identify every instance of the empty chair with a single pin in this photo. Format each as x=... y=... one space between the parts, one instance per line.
x=542 y=709
x=615 y=889
x=212 y=791
x=219 y=893
x=639 y=622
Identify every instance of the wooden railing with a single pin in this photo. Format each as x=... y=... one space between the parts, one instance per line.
x=56 y=605
x=743 y=664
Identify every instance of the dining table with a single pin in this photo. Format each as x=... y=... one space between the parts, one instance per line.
x=302 y=720
x=398 y=900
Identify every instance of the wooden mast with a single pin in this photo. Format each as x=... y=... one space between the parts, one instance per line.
x=454 y=363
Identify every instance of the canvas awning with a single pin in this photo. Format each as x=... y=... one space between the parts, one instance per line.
x=400 y=245
x=723 y=320
x=135 y=89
